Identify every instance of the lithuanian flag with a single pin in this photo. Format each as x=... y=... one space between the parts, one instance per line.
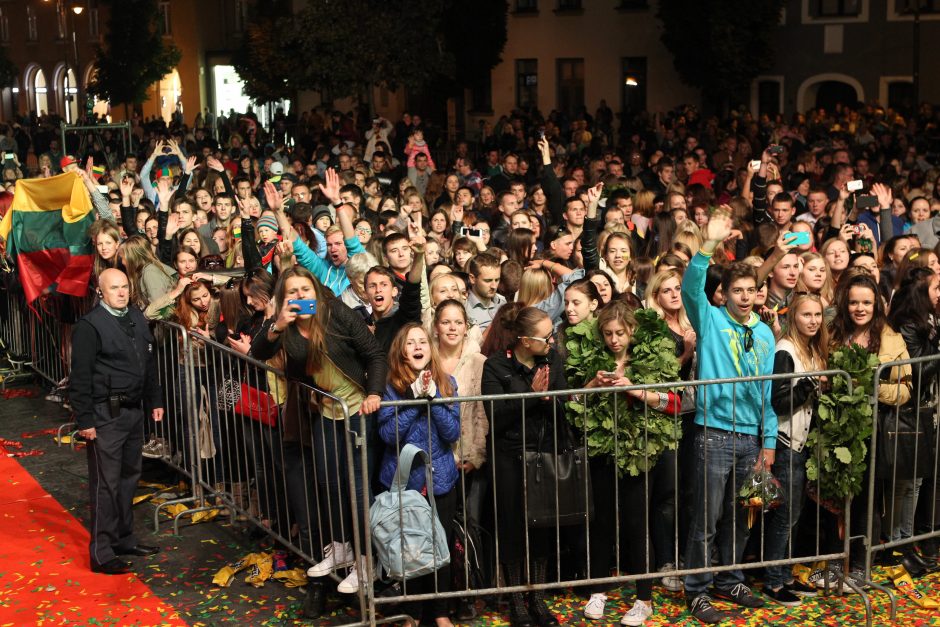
x=46 y=229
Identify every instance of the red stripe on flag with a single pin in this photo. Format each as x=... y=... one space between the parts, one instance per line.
x=40 y=269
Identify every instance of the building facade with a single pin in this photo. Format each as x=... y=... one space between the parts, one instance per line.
x=52 y=43
x=568 y=54
x=830 y=51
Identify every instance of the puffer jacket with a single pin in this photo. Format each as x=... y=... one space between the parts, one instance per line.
x=400 y=425
x=474 y=425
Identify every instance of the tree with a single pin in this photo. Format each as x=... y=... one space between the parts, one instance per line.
x=720 y=46
x=343 y=48
x=263 y=61
x=477 y=43
x=134 y=55
x=349 y=45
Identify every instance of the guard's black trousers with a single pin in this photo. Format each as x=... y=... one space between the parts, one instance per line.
x=114 y=462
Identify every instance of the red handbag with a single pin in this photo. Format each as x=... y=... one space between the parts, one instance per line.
x=257 y=405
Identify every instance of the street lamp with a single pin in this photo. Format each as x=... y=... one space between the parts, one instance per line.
x=77 y=9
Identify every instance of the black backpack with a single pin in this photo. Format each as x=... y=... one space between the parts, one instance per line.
x=471 y=557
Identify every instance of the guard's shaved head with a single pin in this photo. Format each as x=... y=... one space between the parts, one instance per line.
x=115 y=289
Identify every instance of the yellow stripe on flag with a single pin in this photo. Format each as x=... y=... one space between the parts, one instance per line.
x=65 y=192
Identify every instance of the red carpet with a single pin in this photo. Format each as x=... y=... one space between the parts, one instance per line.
x=44 y=569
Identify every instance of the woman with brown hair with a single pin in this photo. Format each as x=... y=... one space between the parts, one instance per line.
x=349 y=367
x=415 y=372
x=149 y=277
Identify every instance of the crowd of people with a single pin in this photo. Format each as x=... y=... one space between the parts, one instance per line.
x=762 y=245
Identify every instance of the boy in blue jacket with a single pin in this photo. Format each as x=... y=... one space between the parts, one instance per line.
x=736 y=425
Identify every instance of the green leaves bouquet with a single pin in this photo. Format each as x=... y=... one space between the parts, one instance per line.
x=639 y=435
x=838 y=440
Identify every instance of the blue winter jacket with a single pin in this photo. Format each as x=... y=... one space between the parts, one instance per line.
x=409 y=425
x=721 y=350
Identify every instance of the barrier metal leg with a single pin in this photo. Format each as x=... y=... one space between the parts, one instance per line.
x=891 y=597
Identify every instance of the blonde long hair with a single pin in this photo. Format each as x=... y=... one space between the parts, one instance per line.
x=137 y=256
x=815 y=353
x=652 y=291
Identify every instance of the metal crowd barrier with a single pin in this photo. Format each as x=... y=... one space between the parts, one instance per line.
x=904 y=505
x=253 y=444
x=570 y=546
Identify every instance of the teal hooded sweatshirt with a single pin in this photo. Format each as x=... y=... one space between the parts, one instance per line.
x=741 y=407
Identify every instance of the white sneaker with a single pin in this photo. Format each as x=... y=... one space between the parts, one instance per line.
x=671 y=582
x=350 y=584
x=638 y=614
x=335 y=555
x=594 y=609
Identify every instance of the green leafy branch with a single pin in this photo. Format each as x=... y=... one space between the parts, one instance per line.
x=632 y=434
x=843 y=425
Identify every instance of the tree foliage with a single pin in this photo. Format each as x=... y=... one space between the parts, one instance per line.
x=263 y=62
x=134 y=55
x=342 y=47
x=720 y=46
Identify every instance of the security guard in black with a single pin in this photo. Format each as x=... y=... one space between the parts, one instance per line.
x=113 y=383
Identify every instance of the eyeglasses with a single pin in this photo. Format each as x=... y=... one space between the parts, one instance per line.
x=748 y=339
x=364 y=230
x=544 y=340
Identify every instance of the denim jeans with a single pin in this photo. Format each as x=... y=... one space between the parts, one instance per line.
x=899 y=519
x=329 y=437
x=790 y=470
x=721 y=462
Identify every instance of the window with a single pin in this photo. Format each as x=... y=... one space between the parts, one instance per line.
x=4 y=27
x=93 y=30
x=768 y=97
x=165 y=19
x=569 y=5
x=634 y=84
x=32 y=28
x=481 y=94
x=527 y=82
x=901 y=96
x=837 y=8
x=527 y=6
x=570 y=84
x=60 y=19
x=908 y=7
x=241 y=15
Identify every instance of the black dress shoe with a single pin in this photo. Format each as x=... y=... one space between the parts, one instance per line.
x=112 y=567
x=141 y=550
x=315 y=601
x=914 y=565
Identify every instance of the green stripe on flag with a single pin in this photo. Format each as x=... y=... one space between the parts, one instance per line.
x=35 y=231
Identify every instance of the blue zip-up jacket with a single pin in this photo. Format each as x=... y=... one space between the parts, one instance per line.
x=409 y=425
x=333 y=278
x=742 y=407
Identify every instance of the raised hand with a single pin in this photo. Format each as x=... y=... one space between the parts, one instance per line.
x=214 y=164
x=272 y=196
x=719 y=225
x=244 y=210
x=164 y=191
x=884 y=194
x=190 y=164
x=172 y=225
x=331 y=188
x=127 y=186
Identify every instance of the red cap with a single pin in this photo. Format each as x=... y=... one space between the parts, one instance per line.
x=67 y=160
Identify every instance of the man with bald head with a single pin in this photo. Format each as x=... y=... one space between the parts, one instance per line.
x=113 y=385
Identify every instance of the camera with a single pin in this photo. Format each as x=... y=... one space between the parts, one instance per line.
x=854 y=186
x=775 y=150
x=466 y=230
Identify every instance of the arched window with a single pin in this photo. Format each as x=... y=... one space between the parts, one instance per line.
x=40 y=92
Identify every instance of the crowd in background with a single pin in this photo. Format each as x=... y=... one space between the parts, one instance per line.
x=464 y=269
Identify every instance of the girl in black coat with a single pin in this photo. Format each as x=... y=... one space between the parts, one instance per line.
x=913 y=315
x=523 y=361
